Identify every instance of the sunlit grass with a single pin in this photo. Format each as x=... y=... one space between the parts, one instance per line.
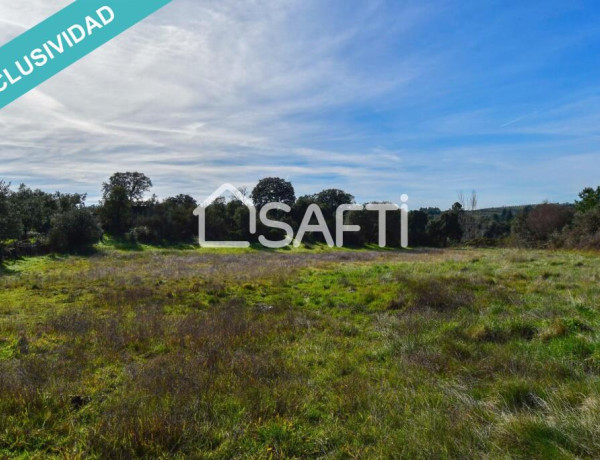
x=304 y=353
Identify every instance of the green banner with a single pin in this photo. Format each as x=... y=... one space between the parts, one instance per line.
x=63 y=39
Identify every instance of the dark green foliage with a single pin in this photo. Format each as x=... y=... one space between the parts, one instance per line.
x=11 y=226
x=37 y=208
x=331 y=199
x=228 y=221
x=445 y=229
x=116 y=211
x=135 y=185
x=26 y=218
x=496 y=229
x=171 y=221
x=328 y=201
x=273 y=190
x=590 y=199
x=27 y=214
x=74 y=230
x=417 y=227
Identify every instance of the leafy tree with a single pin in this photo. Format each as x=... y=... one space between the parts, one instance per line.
x=299 y=208
x=116 y=211
x=36 y=208
x=135 y=185
x=331 y=199
x=273 y=189
x=590 y=199
x=432 y=212
x=67 y=202
x=10 y=222
x=238 y=221
x=496 y=228
x=172 y=221
x=417 y=227
x=446 y=229
x=457 y=207
x=74 y=230
x=184 y=225
x=217 y=225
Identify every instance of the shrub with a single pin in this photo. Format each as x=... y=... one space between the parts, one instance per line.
x=74 y=231
x=585 y=231
x=538 y=226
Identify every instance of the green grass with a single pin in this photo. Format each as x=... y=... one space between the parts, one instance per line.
x=312 y=353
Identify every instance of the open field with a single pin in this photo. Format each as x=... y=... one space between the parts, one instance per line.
x=309 y=354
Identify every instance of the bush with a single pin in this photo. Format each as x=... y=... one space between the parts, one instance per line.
x=140 y=234
x=585 y=231
x=74 y=230
x=540 y=226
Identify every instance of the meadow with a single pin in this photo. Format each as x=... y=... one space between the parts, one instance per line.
x=461 y=353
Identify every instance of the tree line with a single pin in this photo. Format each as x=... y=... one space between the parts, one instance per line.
x=36 y=222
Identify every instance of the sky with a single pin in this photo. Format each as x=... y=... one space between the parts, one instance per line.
x=375 y=97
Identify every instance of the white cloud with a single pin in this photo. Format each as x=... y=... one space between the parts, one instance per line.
x=200 y=92
x=213 y=91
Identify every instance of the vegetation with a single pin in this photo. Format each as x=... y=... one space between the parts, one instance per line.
x=31 y=220
x=301 y=354
x=74 y=230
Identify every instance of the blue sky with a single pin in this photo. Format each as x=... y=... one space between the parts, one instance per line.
x=378 y=98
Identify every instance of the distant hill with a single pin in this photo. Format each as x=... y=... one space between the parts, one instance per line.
x=489 y=212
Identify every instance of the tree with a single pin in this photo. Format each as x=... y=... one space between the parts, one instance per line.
x=445 y=229
x=417 y=227
x=534 y=227
x=67 y=202
x=74 y=230
x=135 y=185
x=180 y=222
x=116 y=211
x=217 y=226
x=36 y=208
x=10 y=222
x=273 y=190
x=590 y=199
x=333 y=198
x=171 y=221
x=585 y=231
x=495 y=228
x=329 y=200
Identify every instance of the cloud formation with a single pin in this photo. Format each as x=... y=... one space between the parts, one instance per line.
x=377 y=97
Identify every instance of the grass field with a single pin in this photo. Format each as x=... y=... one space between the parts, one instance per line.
x=301 y=354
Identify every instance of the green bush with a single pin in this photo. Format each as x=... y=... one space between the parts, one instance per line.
x=585 y=231
x=74 y=230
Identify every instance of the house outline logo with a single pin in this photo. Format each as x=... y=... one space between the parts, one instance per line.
x=200 y=211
